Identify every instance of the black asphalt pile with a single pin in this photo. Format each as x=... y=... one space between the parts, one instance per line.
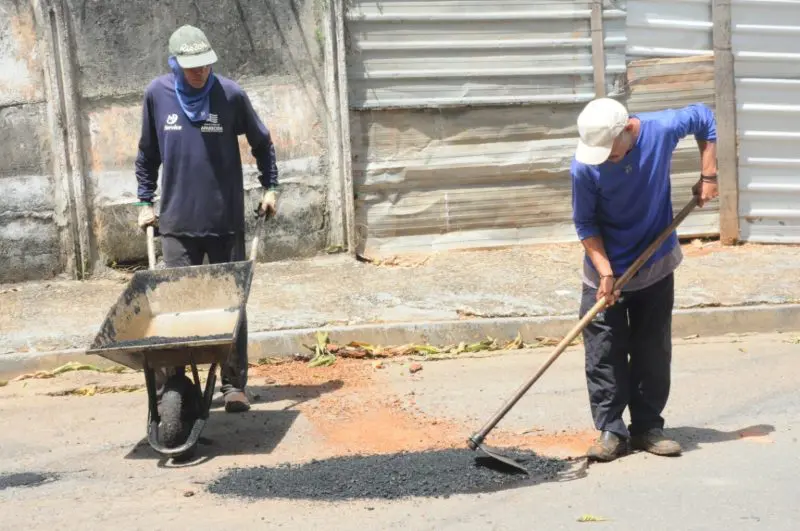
x=439 y=473
x=24 y=479
x=163 y=340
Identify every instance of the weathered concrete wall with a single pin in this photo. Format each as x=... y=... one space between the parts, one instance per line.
x=72 y=76
x=272 y=49
x=29 y=235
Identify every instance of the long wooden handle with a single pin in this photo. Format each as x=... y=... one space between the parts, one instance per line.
x=478 y=438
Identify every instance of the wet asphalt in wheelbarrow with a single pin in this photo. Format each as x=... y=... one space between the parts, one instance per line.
x=434 y=473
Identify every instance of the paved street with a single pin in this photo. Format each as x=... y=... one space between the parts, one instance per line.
x=734 y=404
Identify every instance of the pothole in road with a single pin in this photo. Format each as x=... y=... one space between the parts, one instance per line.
x=436 y=473
x=24 y=479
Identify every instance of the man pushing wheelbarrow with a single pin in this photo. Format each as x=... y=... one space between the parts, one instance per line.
x=191 y=121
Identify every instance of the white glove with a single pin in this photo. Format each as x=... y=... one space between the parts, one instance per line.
x=147 y=217
x=267 y=205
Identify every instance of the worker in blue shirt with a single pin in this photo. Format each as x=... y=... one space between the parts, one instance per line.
x=191 y=121
x=621 y=198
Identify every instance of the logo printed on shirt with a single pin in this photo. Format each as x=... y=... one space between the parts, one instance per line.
x=212 y=125
x=171 y=122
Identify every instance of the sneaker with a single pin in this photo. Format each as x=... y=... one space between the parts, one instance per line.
x=607 y=447
x=236 y=402
x=655 y=442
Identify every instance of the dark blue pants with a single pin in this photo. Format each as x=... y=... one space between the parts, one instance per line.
x=628 y=358
x=181 y=252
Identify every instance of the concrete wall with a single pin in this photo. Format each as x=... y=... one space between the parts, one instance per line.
x=29 y=234
x=101 y=55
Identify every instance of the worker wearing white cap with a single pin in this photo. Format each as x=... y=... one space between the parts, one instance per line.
x=621 y=203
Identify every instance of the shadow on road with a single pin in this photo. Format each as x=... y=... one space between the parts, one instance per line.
x=297 y=393
x=254 y=432
x=691 y=438
x=258 y=431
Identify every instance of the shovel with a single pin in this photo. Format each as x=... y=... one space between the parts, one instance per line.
x=475 y=442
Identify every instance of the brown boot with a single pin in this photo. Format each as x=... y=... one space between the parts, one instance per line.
x=236 y=402
x=655 y=442
x=607 y=447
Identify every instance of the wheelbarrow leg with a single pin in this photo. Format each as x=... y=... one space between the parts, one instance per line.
x=152 y=398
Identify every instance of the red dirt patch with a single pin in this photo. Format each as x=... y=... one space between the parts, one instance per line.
x=354 y=415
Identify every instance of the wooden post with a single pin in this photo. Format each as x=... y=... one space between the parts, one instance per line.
x=61 y=87
x=727 y=145
x=598 y=49
x=340 y=18
x=338 y=232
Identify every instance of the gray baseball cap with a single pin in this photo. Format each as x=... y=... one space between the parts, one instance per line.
x=191 y=48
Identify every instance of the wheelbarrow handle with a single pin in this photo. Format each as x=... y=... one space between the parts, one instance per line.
x=259 y=235
x=151 y=247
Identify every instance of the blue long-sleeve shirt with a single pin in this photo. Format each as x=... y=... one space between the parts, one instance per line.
x=628 y=203
x=202 y=185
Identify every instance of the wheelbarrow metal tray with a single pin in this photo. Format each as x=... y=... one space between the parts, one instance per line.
x=174 y=316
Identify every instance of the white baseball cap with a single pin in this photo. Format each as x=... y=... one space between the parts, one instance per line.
x=599 y=124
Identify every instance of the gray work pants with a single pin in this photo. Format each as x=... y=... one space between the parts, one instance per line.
x=628 y=358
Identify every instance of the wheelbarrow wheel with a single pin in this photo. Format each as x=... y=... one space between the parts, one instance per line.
x=178 y=411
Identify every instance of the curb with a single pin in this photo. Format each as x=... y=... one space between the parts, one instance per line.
x=716 y=321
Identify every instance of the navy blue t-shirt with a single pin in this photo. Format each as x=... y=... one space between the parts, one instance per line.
x=202 y=183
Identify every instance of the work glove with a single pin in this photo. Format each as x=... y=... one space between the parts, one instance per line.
x=267 y=205
x=147 y=216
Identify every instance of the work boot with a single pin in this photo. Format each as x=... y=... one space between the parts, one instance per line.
x=236 y=402
x=607 y=447
x=655 y=442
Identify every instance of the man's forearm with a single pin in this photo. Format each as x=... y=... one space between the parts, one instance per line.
x=708 y=157
x=597 y=254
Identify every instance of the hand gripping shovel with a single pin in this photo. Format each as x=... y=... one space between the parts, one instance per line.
x=475 y=442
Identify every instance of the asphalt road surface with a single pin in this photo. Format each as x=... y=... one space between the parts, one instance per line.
x=79 y=462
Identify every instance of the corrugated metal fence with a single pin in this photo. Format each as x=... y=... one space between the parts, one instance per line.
x=442 y=155
x=671 y=65
x=767 y=66
x=432 y=53
x=433 y=170
x=669 y=28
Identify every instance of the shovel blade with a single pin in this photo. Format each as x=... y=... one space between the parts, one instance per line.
x=497 y=461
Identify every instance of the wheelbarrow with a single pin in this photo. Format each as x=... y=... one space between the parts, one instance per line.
x=171 y=318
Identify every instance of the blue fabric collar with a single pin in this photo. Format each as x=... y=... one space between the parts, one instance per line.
x=194 y=102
